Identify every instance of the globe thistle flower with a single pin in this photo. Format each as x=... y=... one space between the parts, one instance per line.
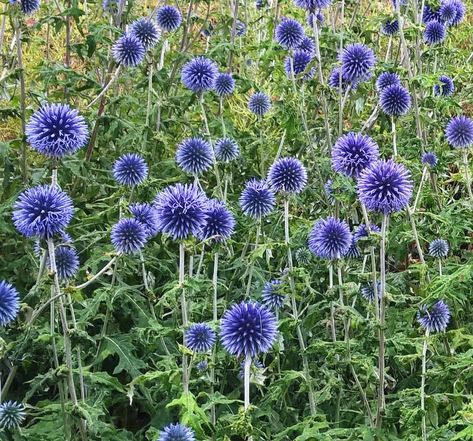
x=130 y=170
x=357 y=61
x=448 y=11
x=259 y=103
x=147 y=216
x=387 y=79
x=395 y=100
x=146 y=31
x=390 y=27
x=367 y=291
x=42 y=211
x=385 y=187
x=9 y=303
x=226 y=149
x=181 y=210
x=219 y=222
x=224 y=84
x=335 y=77
x=199 y=74
x=459 y=132
x=12 y=415
x=65 y=238
x=271 y=296
x=352 y=153
x=307 y=45
x=435 y=32
x=194 y=156
x=200 y=337
x=169 y=18
x=177 y=432
x=67 y=262
x=289 y=33
x=461 y=11
x=128 y=236
x=438 y=248
x=259 y=4
x=296 y=63
x=318 y=16
x=28 y=7
x=240 y=28
x=312 y=5
x=202 y=366
x=56 y=130
x=328 y=191
x=429 y=14
x=128 y=51
x=287 y=175
x=429 y=158
x=362 y=231
x=330 y=238
x=255 y=366
x=446 y=86
x=435 y=318
x=248 y=329
x=257 y=199
x=110 y=6
x=303 y=256
x=353 y=252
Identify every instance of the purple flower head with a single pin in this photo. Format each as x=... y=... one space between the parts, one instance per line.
x=199 y=74
x=130 y=169
x=128 y=236
x=257 y=199
x=248 y=329
x=435 y=318
x=67 y=262
x=361 y=231
x=169 y=18
x=459 y=132
x=335 y=77
x=240 y=28
x=176 y=432
x=226 y=149
x=353 y=252
x=202 y=366
x=330 y=238
x=28 y=7
x=429 y=158
x=390 y=27
x=42 y=211
x=56 y=130
x=259 y=4
x=438 y=248
x=287 y=175
x=395 y=100
x=9 y=303
x=303 y=256
x=259 y=103
x=224 y=84
x=368 y=293
x=128 y=51
x=461 y=11
x=387 y=79
x=271 y=295
x=352 y=153
x=200 y=337
x=312 y=5
x=289 y=33
x=219 y=222
x=146 y=31
x=435 y=32
x=297 y=62
x=194 y=156
x=147 y=216
x=448 y=11
x=385 y=187
x=307 y=45
x=318 y=16
x=446 y=86
x=357 y=61
x=12 y=415
x=430 y=14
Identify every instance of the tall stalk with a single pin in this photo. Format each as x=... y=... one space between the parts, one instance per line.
x=185 y=323
x=467 y=174
x=422 y=386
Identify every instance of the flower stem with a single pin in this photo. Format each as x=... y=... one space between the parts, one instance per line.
x=467 y=174
x=422 y=180
x=185 y=371
x=252 y=264
x=422 y=386
x=247 y=381
x=440 y=267
x=393 y=131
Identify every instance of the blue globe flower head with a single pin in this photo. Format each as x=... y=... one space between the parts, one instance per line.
x=65 y=238
x=287 y=175
x=362 y=231
x=42 y=211
x=303 y=256
x=169 y=18
x=67 y=262
x=12 y=415
x=385 y=187
x=448 y=11
x=181 y=210
x=459 y=132
x=240 y=28
x=386 y=79
x=357 y=61
x=368 y=293
x=219 y=222
x=9 y=303
x=248 y=329
x=128 y=236
x=194 y=156
x=259 y=103
x=130 y=170
x=56 y=130
x=110 y=6
x=395 y=100
x=199 y=74
x=177 y=432
x=257 y=199
x=29 y=7
x=128 y=51
x=200 y=337
x=297 y=63
x=146 y=31
x=318 y=16
x=226 y=149
x=446 y=86
x=271 y=295
x=312 y=5
x=202 y=366
x=147 y=216
x=461 y=11
x=352 y=153
x=330 y=238
x=289 y=33
x=434 y=318
x=435 y=32
x=307 y=45
x=390 y=27
x=430 y=14
x=353 y=252
x=438 y=248
x=255 y=366
x=224 y=84
x=336 y=79
x=429 y=158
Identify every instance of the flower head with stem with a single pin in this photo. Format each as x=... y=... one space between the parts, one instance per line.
x=12 y=415
x=271 y=295
x=9 y=303
x=445 y=87
x=357 y=61
x=224 y=84
x=226 y=149
x=459 y=132
x=195 y=156
x=146 y=31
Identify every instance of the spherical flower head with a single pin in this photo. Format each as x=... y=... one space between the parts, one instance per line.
x=385 y=187
x=353 y=252
x=330 y=238
x=128 y=51
x=226 y=149
x=287 y=175
x=438 y=248
x=429 y=158
x=259 y=103
x=202 y=366
x=194 y=156
x=240 y=28
x=459 y=132
x=200 y=337
x=362 y=231
x=395 y=100
x=130 y=170
x=357 y=62
x=435 y=318
x=199 y=74
x=42 y=211
x=67 y=262
x=435 y=32
x=146 y=31
x=461 y=11
x=390 y=27
x=296 y=63
x=318 y=16
x=312 y=5
x=9 y=303
x=430 y=14
x=446 y=86
x=307 y=44
x=128 y=236
x=181 y=210
x=257 y=199
x=336 y=79
x=12 y=415
x=303 y=256
x=248 y=329
x=368 y=293
x=224 y=84
x=219 y=222
x=169 y=18
x=352 y=153
x=289 y=33
x=271 y=295
x=387 y=79
x=56 y=130
x=177 y=432
x=447 y=11
x=147 y=216
x=29 y=7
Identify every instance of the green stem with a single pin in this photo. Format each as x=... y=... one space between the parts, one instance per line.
x=185 y=370
x=422 y=386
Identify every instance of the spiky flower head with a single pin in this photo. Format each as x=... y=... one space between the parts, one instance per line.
x=459 y=132
x=224 y=84
x=352 y=153
x=357 y=60
x=130 y=169
x=446 y=86
x=435 y=32
x=259 y=103
x=176 y=432
x=336 y=79
x=461 y=11
x=354 y=251
x=367 y=291
x=248 y=329
x=330 y=238
x=240 y=28
x=12 y=415
x=271 y=295
x=195 y=155
x=287 y=175
x=429 y=14
x=42 y=211
x=147 y=216
x=200 y=337
x=387 y=79
x=312 y=5
x=199 y=74
x=202 y=366
x=390 y=27
x=362 y=231
x=67 y=262
x=395 y=100
x=226 y=149
x=429 y=158
x=303 y=256
x=9 y=303
x=447 y=11
x=385 y=187
x=289 y=33
x=56 y=130
x=434 y=318
x=438 y=248
x=128 y=51
x=219 y=222
x=146 y=31
x=296 y=63
x=169 y=18
x=257 y=199
x=28 y=7
x=181 y=210
x=307 y=44
x=128 y=236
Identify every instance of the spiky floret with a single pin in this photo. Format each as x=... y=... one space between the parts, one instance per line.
x=177 y=432
x=146 y=31
x=147 y=216
x=195 y=155
x=395 y=100
x=435 y=32
x=219 y=222
x=128 y=51
x=438 y=248
x=330 y=238
x=271 y=295
x=459 y=132
x=67 y=262
x=12 y=415
x=9 y=303
x=259 y=103
x=289 y=33
x=199 y=74
x=130 y=169
x=257 y=199
x=224 y=84
x=169 y=18
x=429 y=158
x=287 y=175
x=434 y=318
x=387 y=79
x=445 y=87
x=200 y=337
x=128 y=236
x=226 y=149
x=357 y=61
